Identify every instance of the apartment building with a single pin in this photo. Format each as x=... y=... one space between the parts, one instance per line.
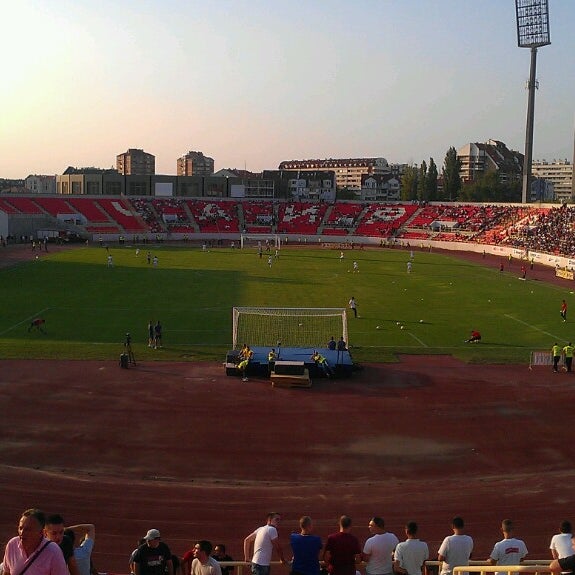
x=195 y=164
x=559 y=174
x=381 y=188
x=136 y=162
x=348 y=172
x=305 y=185
x=37 y=184
x=478 y=159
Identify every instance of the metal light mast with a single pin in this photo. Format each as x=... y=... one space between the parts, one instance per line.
x=532 y=32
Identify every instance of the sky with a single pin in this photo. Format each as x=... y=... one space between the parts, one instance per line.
x=251 y=83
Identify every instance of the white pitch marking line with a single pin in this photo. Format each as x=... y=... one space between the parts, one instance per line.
x=532 y=326
x=417 y=339
x=25 y=320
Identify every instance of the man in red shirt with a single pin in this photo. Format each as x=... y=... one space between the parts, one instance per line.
x=342 y=550
x=475 y=337
x=37 y=323
x=563 y=310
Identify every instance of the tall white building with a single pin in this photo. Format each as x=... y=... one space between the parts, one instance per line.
x=559 y=173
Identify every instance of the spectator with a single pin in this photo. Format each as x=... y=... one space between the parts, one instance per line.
x=342 y=550
x=508 y=551
x=220 y=555
x=561 y=543
x=378 y=549
x=455 y=550
x=83 y=537
x=47 y=557
x=305 y=547
x=54 y=530
x=153 y=557
x=265 y=541
x=411 y=554
x=564 y=564
x=203 y=563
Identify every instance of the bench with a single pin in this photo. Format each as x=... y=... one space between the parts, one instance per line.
x=288 y=367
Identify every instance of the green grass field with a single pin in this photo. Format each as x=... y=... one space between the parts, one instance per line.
x=89 y=308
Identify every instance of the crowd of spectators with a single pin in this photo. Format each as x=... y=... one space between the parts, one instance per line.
x=531 y=228
x=550 y=231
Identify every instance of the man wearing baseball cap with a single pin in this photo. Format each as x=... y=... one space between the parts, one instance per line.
x=153 y=557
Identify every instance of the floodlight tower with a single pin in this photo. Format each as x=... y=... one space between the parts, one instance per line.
x=532 y=32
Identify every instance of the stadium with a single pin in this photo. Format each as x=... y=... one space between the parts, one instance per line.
x=427 y=428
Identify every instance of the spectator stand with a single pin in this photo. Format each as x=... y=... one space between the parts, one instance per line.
x=300 y=218
x=257 y=217
x=215 y=216
x=384 y=220
x=341 y=219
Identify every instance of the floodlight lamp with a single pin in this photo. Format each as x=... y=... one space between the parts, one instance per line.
x=532 y=23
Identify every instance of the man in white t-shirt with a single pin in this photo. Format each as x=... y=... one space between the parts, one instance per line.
x=265 y=541
x=561 y=542
x=456 y=549
x=378 y=549
x=508 y=551
x=411 y=554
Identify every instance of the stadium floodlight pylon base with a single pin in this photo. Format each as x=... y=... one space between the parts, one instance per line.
x=288 y=327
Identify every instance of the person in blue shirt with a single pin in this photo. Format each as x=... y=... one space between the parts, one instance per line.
x=306 y=548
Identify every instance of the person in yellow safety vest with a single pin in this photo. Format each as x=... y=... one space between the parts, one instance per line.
x=247 y=355
x=556 y=353
x=568 y=351
x=272 y=356
x=321 y=362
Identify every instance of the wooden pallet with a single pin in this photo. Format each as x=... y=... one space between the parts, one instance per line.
x=281 y=380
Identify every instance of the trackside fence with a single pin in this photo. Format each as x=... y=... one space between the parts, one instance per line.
x=529 y=566
x=534 y=566
x=487 y=569
x=540 y=358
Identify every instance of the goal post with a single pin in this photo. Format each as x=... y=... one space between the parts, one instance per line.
x=288 y=327
x=259 y=240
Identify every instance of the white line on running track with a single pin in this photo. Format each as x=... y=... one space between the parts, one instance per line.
x=532 y=326
x=417 y=339
x=25 y=320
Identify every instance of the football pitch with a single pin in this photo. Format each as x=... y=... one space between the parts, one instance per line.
x=89 y=307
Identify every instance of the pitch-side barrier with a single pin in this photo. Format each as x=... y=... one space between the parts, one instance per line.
x=540 y=358
x=430 y=567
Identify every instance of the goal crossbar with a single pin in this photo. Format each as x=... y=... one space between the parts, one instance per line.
x=288 y=327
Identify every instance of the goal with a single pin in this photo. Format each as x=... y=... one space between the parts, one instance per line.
x=288 y=327
x=259 y=240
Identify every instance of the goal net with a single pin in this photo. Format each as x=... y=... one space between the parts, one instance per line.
x=260 y=240
x=288 y=327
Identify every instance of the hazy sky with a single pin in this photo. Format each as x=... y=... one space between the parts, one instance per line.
x=254 y=82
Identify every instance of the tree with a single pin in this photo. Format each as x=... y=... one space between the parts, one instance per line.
x=409 y=183
x=421 y=183
x=431 y=182
x=451 y=177
x=488 y=188
x=345 y=194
